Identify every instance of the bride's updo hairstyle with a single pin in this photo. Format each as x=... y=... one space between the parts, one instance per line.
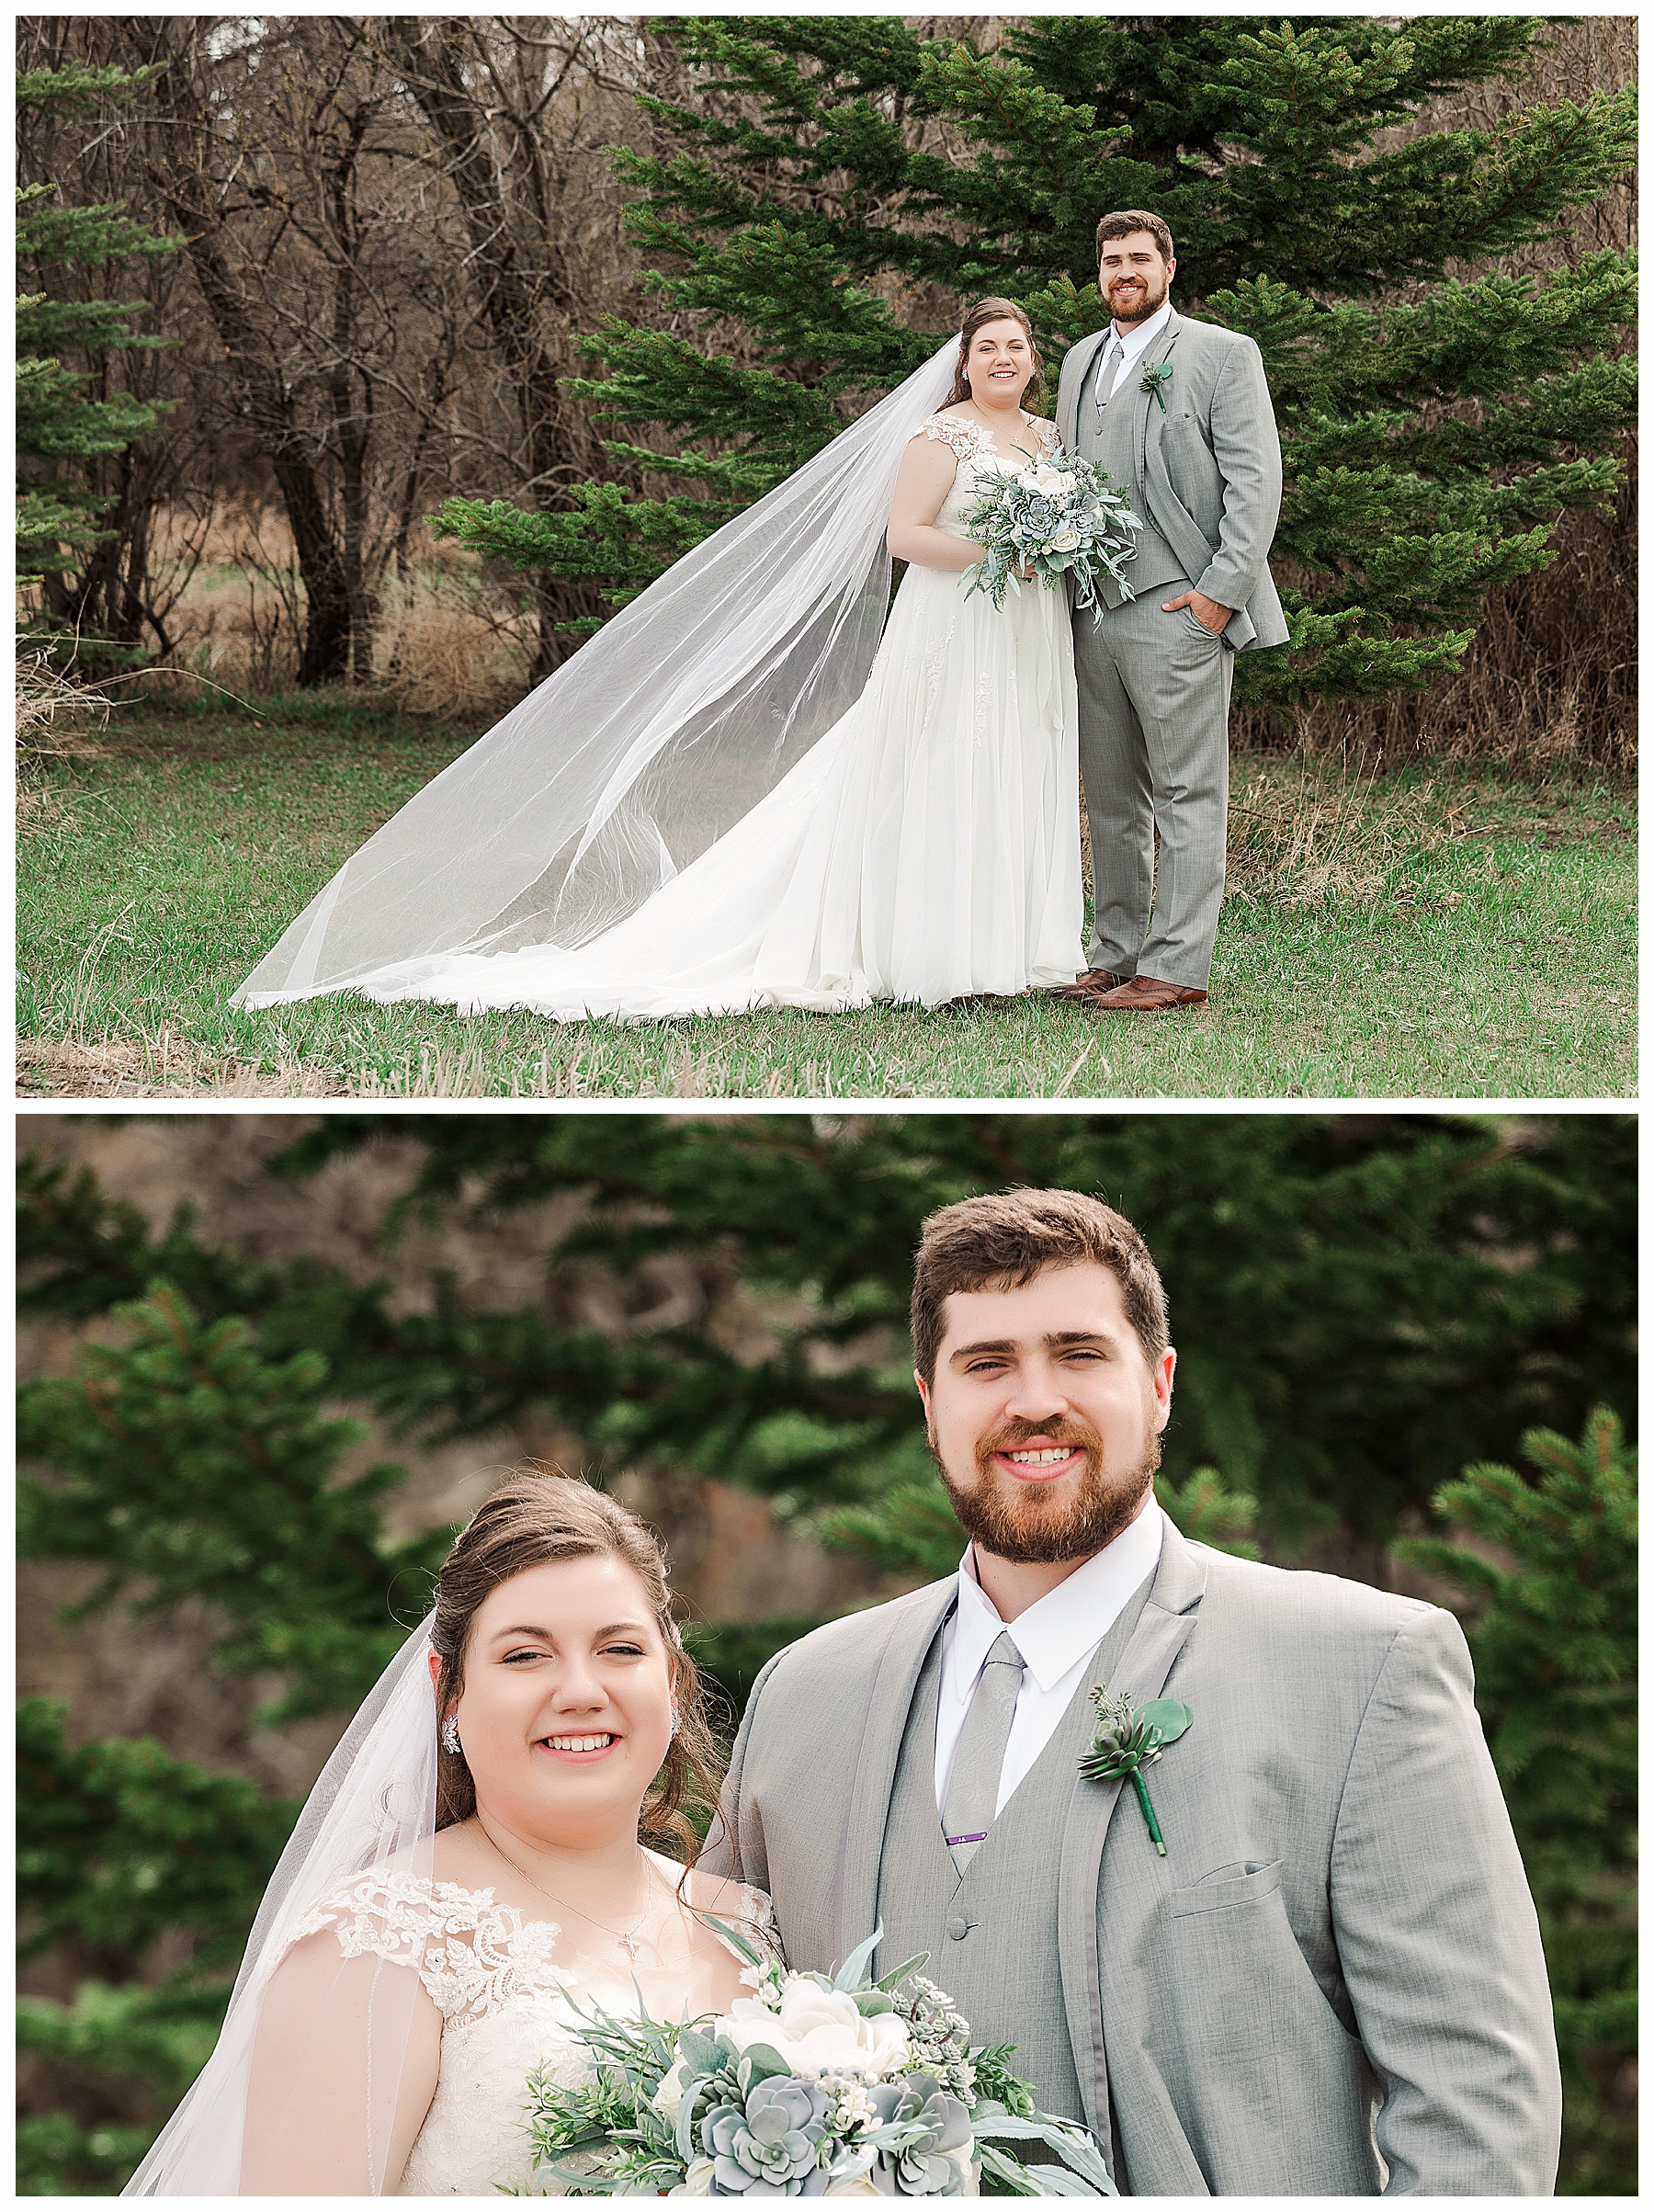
x=538 y=1516
x=994 y=310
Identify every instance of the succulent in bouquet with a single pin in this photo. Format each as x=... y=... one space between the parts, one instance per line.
x=812 y=2086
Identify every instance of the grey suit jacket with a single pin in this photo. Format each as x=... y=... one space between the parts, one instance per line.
x=1332 y=1985
x=1208 y=465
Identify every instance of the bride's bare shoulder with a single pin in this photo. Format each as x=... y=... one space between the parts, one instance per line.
x=718 y=1893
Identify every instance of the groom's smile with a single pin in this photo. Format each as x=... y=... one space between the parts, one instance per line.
x=1041 y=1461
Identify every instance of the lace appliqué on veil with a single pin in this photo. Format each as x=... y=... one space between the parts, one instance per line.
x=472 y=1954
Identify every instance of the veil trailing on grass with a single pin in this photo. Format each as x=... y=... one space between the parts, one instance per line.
x=373 y=1812
x=645 y=747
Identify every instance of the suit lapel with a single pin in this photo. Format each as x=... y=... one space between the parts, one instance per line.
x=867 y=1800
x=1164 y=1626
x=1075 y=368
x=1154 y=415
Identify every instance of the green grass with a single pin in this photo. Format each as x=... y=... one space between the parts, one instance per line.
x=1438 y=932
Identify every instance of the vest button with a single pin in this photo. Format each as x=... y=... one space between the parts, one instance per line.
x=958 y=1929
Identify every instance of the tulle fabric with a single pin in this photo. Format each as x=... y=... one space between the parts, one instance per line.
x=659 y=736
x=373 y=1809
x=927 y=849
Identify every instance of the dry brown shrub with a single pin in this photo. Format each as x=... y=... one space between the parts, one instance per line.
x=55 y=720
x=442 y=650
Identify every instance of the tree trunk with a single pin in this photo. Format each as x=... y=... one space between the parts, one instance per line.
x=428 y=51
x=325 y=657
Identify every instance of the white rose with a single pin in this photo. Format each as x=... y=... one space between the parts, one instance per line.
x=1047 y=481
x=861 y=2186
x=827 y=2026
x=670 y=2095
x=698 y=2182
x=888 y=2042
x=806 y=2006
x=820 y=2032
x=1066 y=541
x=751 y=2008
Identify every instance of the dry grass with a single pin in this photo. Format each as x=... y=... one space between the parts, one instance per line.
x=449 y=645
x=55 y=721
x=1440 y=932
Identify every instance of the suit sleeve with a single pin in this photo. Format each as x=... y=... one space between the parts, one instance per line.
x=734 y=1845
x=1247 y=448
x=1439 y=1939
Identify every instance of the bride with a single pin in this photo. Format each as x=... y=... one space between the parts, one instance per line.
x=468 y=1868
x=738 y=794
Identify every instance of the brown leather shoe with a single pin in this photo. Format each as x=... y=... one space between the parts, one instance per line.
x=1145 y=994
x=1090 y=985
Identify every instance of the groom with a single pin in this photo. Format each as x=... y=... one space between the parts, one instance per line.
x=1332 y=1982
x=1178 y=413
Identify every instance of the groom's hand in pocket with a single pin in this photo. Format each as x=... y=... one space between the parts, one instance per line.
x=1209 y=611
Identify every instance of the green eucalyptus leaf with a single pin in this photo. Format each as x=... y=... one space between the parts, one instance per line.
x=759 y=2063
x=898 y=1975
x=1167 y=1718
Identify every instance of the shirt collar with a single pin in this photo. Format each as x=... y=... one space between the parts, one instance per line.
x=1056 y=1633
x=1138 y=338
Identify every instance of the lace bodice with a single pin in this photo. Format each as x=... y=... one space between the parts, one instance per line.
x=975 y=453
x=506 y=2007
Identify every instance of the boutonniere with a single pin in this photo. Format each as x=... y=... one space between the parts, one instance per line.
x=1154 y=377
x=1126 y=1742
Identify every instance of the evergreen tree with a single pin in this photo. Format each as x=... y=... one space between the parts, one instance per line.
x=1360 y=1307
x=843 y=183
x=1554 y=1639
x=122 y=1849
x=69 y=419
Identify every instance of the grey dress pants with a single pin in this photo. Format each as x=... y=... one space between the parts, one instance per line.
x=1154 y=701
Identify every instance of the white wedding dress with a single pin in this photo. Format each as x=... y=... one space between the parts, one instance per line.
x=925 y=848
x=506 y=2007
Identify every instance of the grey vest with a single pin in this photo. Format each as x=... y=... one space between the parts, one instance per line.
x=1107 y=440
x=992 y=1936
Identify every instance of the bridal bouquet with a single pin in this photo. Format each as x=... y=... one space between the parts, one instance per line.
x=1058 y=517
x=809 y=2088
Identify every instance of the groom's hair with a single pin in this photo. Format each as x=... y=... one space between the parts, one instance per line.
x=1124 y=221
x=1003 y=1239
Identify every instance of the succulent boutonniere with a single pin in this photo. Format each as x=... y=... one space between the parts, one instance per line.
x=1153 y=379
x=1126 y=1742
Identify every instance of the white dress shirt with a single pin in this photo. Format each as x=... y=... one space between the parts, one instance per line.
x=1125 y=348
x=1056 y=1637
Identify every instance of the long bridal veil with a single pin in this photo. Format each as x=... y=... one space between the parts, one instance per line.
x=651 y=741
x=373 y=1812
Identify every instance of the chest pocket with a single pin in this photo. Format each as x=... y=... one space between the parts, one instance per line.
x=1252 y=1879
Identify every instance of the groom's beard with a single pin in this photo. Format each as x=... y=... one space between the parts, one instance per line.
x=1024 y=1522
x=1135 y=306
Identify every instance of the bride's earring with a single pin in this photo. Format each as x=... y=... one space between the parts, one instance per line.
x=450 y=1735
x=677 y=1719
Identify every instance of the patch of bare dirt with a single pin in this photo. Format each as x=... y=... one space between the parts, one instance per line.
x=161 y=1066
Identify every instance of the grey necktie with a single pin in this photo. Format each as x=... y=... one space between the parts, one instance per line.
x=973 y=1787
x=1108 y=367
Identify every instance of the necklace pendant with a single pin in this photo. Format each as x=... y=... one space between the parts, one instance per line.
x=630 y=1943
